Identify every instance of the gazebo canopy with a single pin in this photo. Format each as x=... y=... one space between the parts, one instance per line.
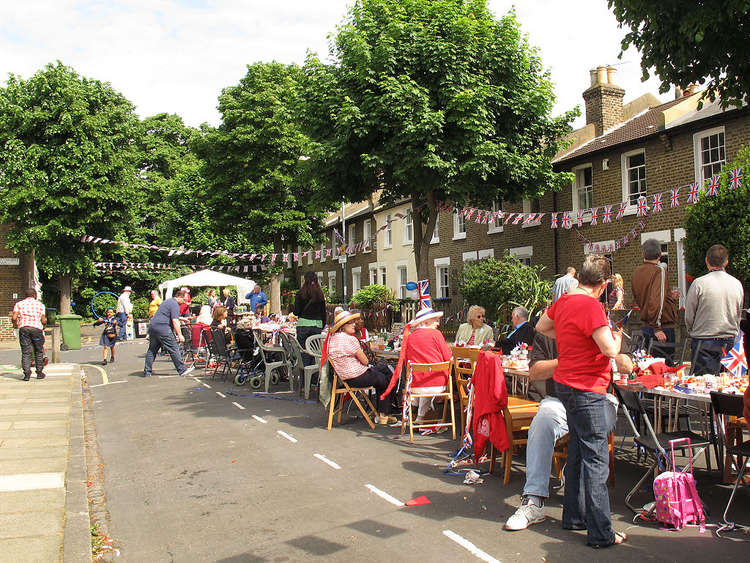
x=208 y=278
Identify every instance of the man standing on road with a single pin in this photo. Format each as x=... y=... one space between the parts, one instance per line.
x=257 y=299
x=29 y=316
x=650 y=285
x=124 y=311
x=164 y=325
x=564 y=284
x=713 y=307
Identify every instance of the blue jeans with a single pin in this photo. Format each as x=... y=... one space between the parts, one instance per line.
x=712 y=350
x=586 y=503
x=303 y=333
x=658 y=351
x=122 y=320
x=548 y=426
x=162 y=337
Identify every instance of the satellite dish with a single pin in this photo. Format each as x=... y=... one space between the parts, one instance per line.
x=411 y=286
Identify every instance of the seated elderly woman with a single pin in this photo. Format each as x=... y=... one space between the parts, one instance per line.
x=349 y=361
x=474 y=331
x=522 y=331
x=423 y=343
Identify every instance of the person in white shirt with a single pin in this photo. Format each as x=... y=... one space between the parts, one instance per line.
x=124 y=311
x=564 y=284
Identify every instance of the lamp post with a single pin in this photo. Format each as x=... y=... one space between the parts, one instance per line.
x=342 y=258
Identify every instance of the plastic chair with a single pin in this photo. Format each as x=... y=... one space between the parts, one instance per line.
x=267 y=353
x=419 y=393
x=294 y=354
x=314 y=347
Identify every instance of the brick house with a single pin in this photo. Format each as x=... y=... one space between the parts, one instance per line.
x=16 y=274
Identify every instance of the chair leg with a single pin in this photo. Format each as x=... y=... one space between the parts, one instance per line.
x=362 y=409
x=332 y=404
x=453 y=417
x=493 y=454
x=411 y=423
x=508 y=461
x=638 y=486
x=741 y=471
x=308 y=380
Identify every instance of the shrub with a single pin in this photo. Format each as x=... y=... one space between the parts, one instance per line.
x=140 y=307
x=374 y=298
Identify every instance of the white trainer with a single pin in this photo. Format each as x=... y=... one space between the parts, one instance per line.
x=525 y=516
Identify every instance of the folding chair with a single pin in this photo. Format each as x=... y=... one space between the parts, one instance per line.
x=223 y=355
x=517 y=423
x=267 y=352
x=421 y=393
x=353 y=392
x=464 y=364
x=731 y=406
x=651 y=442
x=186 y=348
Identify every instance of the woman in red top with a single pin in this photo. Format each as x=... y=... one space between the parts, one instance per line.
x=585 y=346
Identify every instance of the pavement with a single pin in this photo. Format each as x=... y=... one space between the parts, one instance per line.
x=43 y=506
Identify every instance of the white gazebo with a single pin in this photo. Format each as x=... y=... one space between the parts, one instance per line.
x=208 y=278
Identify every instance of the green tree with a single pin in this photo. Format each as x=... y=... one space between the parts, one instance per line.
x=432 y=100
x=66 y=156
x=256 y=188
x=498 y=285
x=687 y=42
x=721 y=219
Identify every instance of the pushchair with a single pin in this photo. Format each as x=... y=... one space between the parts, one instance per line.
x=252 y=368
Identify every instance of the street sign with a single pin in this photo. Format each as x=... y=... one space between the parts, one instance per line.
x=342 y=259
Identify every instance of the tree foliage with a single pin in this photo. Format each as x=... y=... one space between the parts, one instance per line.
x=501 y=284
x=721 y=219
x=690 y=42
x=66 y=156
x=374 y=297
x=432 y=100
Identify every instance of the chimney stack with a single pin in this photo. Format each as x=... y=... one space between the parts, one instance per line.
x=603 y=100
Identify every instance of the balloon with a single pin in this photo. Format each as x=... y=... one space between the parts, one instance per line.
x=411 y=286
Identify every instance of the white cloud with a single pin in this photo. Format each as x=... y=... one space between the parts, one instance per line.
x=176 y=55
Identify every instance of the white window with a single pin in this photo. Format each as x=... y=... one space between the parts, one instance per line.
x=320 y=277
x=459 y=225
x=436 y=232
x=356 y=279
x=523 y=253
x=401 y=272
x=408 y=228
x=373 y=271
x=289 y=257
x=332 y=282
x=310 y=255
x=352 y=236
x=442 y=277
x=383 y=278
x=335 y=245
x=323 y=252
x=633 y=176
x=532 y=206
x=583 y=187
x=495 y=227
x=388 y=232
x=709 y=153
x=469 y=256
x=367 y=234
x=488 y=253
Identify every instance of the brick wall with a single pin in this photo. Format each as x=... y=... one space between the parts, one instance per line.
x=12 y=281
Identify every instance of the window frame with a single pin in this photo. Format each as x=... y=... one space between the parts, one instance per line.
x=322 y=252
x=401 y=268
x=442 y=264
x=523 y=253
x=486 y=253
x=527 y=208
x=436 y=231
x=697 y=151
x=332 y=278
x=458 y=217
x=372 y=268
x=356 y=274
x=574 y=188
x=408 y=234
x=388 y=232
x=367 y=235
x=492 y=228
x=625 y=175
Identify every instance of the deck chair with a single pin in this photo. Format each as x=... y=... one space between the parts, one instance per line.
x=652 y=443
x=464 y=364
x=267 y=352
x=413 y=392
x=314 y=347
x=517 y=422
x=730 y=406
x=340 y=389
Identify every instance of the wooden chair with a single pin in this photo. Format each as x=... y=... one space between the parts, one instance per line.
x=447 y=395
x=464 y=364
x=340 y=389
x=517 y=422
x=560 y=456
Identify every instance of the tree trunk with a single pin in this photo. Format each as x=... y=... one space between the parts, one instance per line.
x=423 y=233
x=275 y=290
x=65 y=285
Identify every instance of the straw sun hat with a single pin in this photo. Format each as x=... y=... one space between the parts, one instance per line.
x=425 y=315
x=343 y=318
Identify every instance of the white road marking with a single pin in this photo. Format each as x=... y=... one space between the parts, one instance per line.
x=327 y=461
x=206 y=385
x=292 y=439
x=105 y=379
x=110 y=383
x=466 y=544
x=385 y=496
x=31 y=481
x=239 y=406
x=220 y=394
x=259 y=419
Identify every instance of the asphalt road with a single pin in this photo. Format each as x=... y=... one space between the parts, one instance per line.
x=192 y=475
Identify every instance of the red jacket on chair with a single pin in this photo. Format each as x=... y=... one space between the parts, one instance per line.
x=490 y=398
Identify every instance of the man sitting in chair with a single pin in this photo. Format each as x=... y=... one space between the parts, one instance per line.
x=522 y=331
x=549 y=425
x=351 y=364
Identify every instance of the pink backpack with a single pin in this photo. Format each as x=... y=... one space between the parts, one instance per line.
x=677 y=500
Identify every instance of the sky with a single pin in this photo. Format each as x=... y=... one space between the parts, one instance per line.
x=176 y=56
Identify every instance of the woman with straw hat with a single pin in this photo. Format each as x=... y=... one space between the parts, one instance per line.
x=342 y=348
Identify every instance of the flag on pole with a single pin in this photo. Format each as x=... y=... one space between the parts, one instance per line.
x=425 y=302
x=736 y=361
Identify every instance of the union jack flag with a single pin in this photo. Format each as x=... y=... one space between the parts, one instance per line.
x=579 y=218
x=529 y=218
x=657 y=204
x=621 y=210
x=508 y=218
x=713 y=186
x=423 y=286
x=642 y=207
x=607 y=215
x=566 y=219
x=595 y=216
x=736 y=361
x=674 y=197
x=735 y=179
x=693 y=193
x=553 y=221
x=484 y=219
x=518 y=218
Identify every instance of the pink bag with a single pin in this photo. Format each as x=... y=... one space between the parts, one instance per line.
x=677 y=499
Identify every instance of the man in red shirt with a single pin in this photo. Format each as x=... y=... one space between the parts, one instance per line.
x=29 y=316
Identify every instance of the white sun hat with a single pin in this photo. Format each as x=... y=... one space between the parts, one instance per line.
x=425 y=315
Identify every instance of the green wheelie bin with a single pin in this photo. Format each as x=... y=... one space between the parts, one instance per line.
x=70 y=326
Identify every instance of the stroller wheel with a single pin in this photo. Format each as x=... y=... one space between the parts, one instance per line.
x=256 y=382
x=274 y=378
x=240 y=379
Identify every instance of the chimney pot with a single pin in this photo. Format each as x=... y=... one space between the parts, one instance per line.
x=677 y=92
x=601 y=75
x=603 y=100
x=611 y=71
x=592 y=75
